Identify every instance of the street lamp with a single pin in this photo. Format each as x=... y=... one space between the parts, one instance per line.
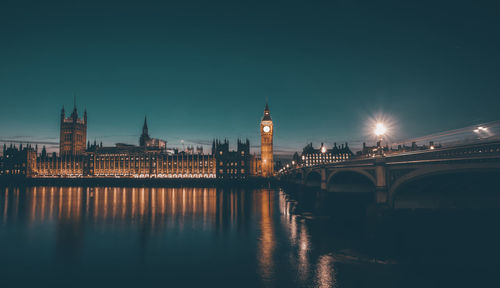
x=482 y=132
x=379 y=131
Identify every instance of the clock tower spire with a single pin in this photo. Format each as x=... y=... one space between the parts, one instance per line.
x=266 y=143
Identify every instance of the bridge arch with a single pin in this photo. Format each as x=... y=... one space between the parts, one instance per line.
x=351 y=181
x=441 y=178
x=298 y=176
x=312 y=178
x=295 y=176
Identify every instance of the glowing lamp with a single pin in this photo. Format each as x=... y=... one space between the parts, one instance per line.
x=380 y=129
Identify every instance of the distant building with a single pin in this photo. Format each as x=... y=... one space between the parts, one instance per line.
x=73 y=133
x=371 y=151
x=323 y=155
x=15 y=161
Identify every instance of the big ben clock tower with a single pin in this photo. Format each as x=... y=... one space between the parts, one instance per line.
x=266 y=143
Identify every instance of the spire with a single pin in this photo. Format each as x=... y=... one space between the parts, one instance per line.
x=74 y=114
x=267 y=114
x=145 y=127
x=63 y=115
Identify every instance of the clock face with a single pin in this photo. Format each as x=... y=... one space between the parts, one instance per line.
x=266 y=129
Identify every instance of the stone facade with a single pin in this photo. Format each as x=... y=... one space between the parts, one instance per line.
x=73 y=133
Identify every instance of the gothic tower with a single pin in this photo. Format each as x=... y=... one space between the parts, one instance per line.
x=144 y=139
x=73 y=133
x=266 y=143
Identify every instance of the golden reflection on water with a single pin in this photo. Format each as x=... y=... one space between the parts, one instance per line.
x=101 y=205
x=324 y=275
x=203 y=208
x=267 y=238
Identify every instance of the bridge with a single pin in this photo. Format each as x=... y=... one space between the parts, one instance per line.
x=387 y=176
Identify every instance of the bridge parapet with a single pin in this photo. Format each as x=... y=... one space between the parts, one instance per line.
x=487 y=149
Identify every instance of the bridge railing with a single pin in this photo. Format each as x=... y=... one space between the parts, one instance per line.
x=486 y=149
x=350 y=162
x=476 y=150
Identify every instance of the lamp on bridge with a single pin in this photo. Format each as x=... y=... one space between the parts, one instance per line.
x=482 y=132
x=379 y=131
x=323 y=149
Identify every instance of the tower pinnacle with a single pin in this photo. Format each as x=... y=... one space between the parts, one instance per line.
x=267 y=114
x=145 y=127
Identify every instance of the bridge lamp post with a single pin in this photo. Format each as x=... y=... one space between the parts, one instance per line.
x=481 y=131
x=379 y=131
x=323 y=151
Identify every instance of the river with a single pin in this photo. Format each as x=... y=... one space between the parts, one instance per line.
x=230 y=237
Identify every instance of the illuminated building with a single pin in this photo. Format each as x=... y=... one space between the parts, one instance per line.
x=126 y=164
x=150 y=143
x=232 y=164
x=266 y=143
x=73 y=133
x=311 y=156
x=15 y=161
x=151 y=159
x=255 y=165
x=145 y=165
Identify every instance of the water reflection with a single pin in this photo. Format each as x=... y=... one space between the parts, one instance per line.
x=266 y=239
x=248 y=234
x=151 y=206
x=325 y=273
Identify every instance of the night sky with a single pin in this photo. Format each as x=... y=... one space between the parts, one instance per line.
x=203 y=69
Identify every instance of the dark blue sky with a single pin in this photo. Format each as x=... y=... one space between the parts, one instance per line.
x=203 y=69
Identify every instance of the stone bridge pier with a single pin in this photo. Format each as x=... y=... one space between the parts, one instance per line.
x=381 y=189
x=324 y=179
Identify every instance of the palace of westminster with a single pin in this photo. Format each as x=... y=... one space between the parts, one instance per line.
x=151 y=158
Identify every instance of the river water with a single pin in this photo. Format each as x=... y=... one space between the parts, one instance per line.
x=212 y=237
